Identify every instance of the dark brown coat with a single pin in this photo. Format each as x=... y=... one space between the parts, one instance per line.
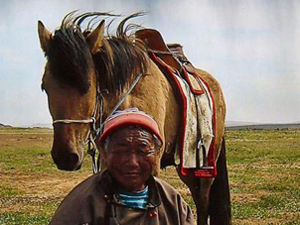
x=94 y=202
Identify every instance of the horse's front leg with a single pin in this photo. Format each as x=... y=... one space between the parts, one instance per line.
x=200 y=196
x=201 y=193
x=200 y=190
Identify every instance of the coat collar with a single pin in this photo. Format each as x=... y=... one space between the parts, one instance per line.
x=110 y=185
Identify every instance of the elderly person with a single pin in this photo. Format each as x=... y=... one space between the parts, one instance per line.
x=126 y=192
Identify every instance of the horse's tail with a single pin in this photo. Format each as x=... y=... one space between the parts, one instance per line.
x=219 y=199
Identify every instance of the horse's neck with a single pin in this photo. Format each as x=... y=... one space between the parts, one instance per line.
x=152 y=94
x=109 y=102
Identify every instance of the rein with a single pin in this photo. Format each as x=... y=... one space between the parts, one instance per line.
x=161 y=52
x=134 y=83
x=93 y=132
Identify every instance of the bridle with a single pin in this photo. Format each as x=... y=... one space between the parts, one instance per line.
x=90 y=140
x=74 y=121
x=94 y=132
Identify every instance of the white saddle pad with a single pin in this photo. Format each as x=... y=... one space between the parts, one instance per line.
x=198 y=123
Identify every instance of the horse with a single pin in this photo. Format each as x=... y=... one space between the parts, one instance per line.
x=86 y=75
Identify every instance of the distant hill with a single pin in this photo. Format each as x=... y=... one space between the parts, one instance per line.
x=268 y=126
x=4 y=126
x=239 y=123
x=230 y=125
x=36 y=125
x=41 y=125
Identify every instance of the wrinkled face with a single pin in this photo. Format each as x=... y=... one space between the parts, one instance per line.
x=131 y=157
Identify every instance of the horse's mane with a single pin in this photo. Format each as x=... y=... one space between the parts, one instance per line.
x=69 y=55
x=120 y=59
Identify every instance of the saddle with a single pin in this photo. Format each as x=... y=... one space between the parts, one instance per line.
x=195 y=147
x=171 y=54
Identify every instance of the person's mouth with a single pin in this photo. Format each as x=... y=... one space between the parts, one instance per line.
x=131 y=174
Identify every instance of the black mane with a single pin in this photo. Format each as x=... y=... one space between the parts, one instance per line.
x=69 y=56
x=120 y=59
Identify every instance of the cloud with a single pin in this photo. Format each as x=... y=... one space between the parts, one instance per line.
x=251 y=46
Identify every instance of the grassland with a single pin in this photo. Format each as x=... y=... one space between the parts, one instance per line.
x=264 y=168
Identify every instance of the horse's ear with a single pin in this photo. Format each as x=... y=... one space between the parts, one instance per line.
x=95 y=38
x=45 y=36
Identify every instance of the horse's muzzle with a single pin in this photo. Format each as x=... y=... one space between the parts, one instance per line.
x=66 y=159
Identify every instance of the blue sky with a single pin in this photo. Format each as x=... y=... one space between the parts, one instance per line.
x=252 y=47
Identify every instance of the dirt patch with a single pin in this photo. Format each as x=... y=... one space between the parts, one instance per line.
x=37 y=191
x=43 y=185
x=248 y=198
x=30 y=203
x=270 y=221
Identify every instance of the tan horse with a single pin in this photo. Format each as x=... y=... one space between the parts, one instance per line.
x=84 y=66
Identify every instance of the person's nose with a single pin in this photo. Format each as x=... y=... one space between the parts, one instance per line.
x=133 y=160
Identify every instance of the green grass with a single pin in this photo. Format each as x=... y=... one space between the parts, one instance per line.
x=8 y=192
x=264 y=168
x=20 y=218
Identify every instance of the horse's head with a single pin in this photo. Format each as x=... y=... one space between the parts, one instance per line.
x=70 y=82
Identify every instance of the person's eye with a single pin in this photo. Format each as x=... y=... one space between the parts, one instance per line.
x=145 y=149
x=120 y=149
x=121 y=153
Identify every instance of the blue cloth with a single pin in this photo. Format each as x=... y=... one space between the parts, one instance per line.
x=135 y=199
